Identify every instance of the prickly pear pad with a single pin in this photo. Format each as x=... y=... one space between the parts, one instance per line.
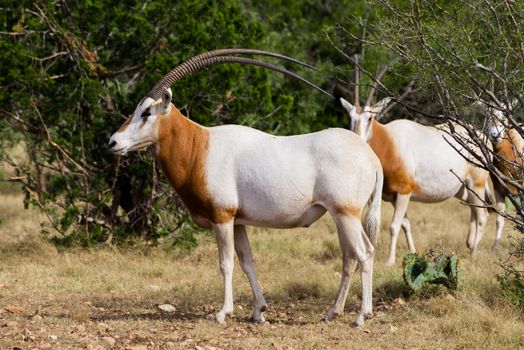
x=431 y=267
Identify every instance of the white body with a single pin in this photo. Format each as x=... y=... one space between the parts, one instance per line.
x=435 y=165
x=286 y=182
x=232 y=176
x=421 y=163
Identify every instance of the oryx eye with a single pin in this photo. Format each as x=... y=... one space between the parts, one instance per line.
x=146 y=113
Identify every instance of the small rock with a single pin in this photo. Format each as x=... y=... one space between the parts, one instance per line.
x=153 y=288
x=392 y=328
x=11 y=324
x=450 y=297
x=14 y=309
x=170 y=345
x=37 y=318
x=109 y=340
x=53 y=337
x=240 y=307
x=167 y=308
x=2 y=285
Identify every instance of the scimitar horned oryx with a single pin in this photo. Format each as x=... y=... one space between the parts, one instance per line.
x=508 y=158
x=230 y=176
x=421 y=163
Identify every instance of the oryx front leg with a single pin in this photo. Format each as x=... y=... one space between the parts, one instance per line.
x=354 y=241
x=245 y=257
x=401 y=206
x=479 y=217
x=501 y=207
x=226 y=253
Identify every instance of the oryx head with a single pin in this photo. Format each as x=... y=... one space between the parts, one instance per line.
x=361 y=118
x=496 y=127
x=141 y=128
x=496 y=117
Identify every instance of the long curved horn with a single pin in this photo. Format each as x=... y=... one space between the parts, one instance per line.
x=225 y=52
x=357 y=81
x=217 y=57
x=377 y=79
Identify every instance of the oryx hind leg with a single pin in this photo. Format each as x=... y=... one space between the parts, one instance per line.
x=349 y=264
x=406 y=226
x=401 y=206
x=356 y=247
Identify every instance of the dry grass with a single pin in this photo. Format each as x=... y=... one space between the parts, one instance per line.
x=108 y=298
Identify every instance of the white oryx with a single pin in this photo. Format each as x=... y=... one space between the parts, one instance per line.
x=231 y=176
x=420 y=165
x=508 y=158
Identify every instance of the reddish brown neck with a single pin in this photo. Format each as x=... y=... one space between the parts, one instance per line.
x=397 y=178
x=182 y=149
x=380 y=140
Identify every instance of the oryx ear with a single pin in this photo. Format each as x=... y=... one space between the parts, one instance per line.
x=379 y=106
x=514 y=103
x=480 y=104
x=166 y=98
x=347 y=106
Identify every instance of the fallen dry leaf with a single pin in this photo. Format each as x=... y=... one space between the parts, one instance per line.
x=208 y=308
x=14 y=309
x=399 y=302
x=136 y=347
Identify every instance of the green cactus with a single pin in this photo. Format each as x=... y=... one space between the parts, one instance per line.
x=432 y=267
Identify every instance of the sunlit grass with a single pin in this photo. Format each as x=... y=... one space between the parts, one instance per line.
x=86 y=295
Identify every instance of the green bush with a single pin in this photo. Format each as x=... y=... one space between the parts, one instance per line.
x=71 y=71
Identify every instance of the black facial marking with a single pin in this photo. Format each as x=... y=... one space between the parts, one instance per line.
x=146 y=113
